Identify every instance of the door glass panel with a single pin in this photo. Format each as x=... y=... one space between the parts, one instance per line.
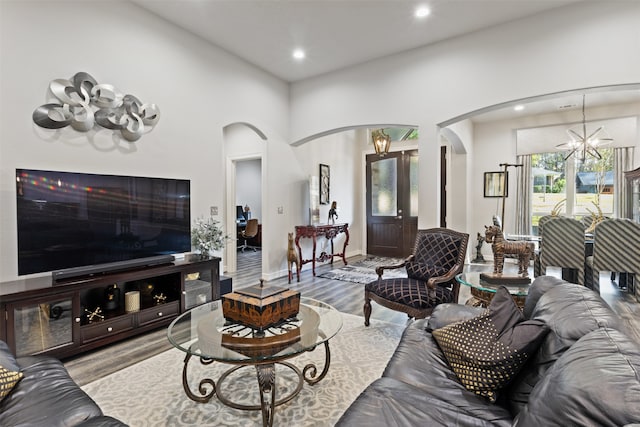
x=384 y=187
x=39 y=327
x=413 y=186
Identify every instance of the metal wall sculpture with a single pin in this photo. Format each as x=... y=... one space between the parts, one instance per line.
x=83 y=103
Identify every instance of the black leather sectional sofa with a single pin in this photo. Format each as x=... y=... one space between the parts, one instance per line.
x=585 y=372
x=47 y=396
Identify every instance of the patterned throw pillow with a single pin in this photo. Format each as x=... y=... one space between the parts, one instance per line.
x=486 y=352
x=8 y=380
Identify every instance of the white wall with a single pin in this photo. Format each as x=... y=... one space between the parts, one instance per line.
x=584 y=45
x=198 y=88
x=460 y=182
x=342 y=153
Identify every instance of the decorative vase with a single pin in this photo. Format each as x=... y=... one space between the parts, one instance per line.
x=204 y=253
x=112 y=297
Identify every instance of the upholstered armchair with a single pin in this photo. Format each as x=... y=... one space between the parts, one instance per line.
x=438 y=256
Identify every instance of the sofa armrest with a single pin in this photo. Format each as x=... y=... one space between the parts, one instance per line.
x=445 y=314
x=7 y=360
x=46 y=397
x=103 y=421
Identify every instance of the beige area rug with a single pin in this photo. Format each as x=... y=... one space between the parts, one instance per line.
x=364 y=271
x=150 y=393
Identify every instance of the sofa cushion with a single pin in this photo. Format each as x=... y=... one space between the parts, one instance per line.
x=8 y=380
x=595 y=383
x=391 y=403
x=486 y=352
x=48 y=387
x=446 y=314
x=539 y=287
x=419 y=362
x=570 y=311
x=6 y=358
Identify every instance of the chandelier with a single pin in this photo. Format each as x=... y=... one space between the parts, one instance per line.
x=583 y=143
x=381 y=141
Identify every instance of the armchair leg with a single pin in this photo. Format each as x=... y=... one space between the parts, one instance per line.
x=367 y=310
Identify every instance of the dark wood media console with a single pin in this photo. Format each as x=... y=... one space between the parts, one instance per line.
x=84 y=313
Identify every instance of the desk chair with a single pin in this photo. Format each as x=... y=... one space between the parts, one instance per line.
x=249 y=232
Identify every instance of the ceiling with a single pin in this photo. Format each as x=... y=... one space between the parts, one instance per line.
x=341 y=33
x=567 y=103
x=334 y=33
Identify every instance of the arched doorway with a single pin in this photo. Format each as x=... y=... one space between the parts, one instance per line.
x=244 y=148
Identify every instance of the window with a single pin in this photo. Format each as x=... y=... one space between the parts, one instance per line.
x=571 y=188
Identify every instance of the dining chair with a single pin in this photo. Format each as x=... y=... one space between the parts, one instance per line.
x=563 y=245
x=616 y=248
x=438 y=256
x=536 y=257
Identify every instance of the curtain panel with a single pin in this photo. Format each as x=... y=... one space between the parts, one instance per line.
x=622 y=162
x=524 y=189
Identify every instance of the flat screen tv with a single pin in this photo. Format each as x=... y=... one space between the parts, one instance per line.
x=68 y=220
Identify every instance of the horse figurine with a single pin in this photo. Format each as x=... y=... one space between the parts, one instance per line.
x=523 y=250
x=292 y=258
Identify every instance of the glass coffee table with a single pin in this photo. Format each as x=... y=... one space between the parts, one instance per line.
x=482 y=292
x=204 y=334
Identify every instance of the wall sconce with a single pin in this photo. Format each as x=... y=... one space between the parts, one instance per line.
x=381 y=141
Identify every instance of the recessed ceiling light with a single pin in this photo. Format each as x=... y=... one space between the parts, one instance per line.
x=518 y=107
x=422 y=11
x=299 y=54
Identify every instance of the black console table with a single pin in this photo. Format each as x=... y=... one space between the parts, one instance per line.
x=79 y=314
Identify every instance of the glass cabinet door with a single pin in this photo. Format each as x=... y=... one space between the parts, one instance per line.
x=41 y=326
x=198 y=287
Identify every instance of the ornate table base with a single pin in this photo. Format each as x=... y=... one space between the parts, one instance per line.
x=266 y=375
x=327 y=231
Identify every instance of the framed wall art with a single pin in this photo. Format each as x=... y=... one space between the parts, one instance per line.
x=324 y=184
x=496 y=184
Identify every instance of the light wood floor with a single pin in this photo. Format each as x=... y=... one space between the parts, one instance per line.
x=344 y=296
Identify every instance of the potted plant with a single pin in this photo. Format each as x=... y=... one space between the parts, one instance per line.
x=207 y=236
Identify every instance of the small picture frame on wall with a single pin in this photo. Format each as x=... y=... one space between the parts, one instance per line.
x=324 y=184
x=496 y=184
